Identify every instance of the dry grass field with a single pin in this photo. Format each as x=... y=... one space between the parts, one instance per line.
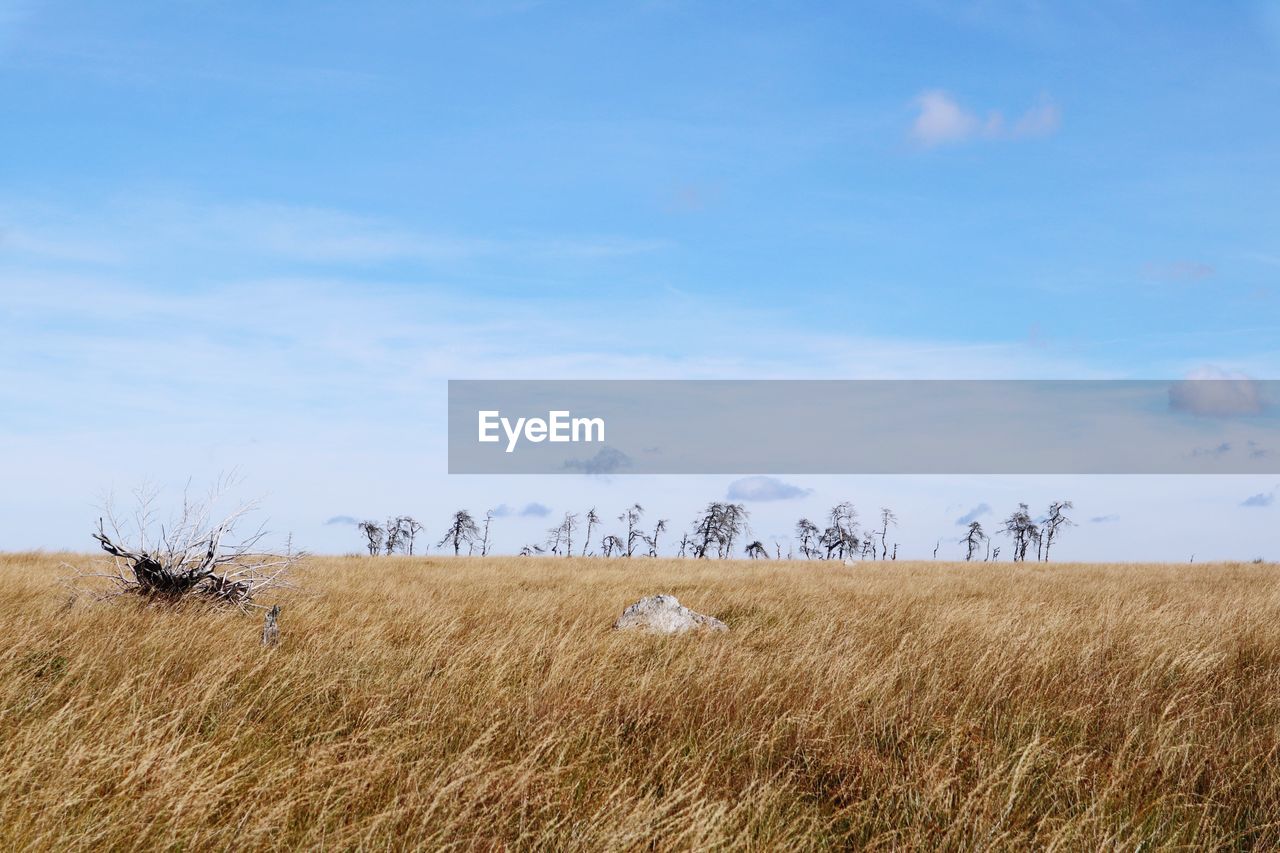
x=477 y=704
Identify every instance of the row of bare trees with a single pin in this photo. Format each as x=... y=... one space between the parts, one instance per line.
x=841 y=538
x=717 y=530
x=1024 y=531
x=399 y=534
x=635 y=539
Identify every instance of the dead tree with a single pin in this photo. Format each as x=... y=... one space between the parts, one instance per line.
x=484 y=540
x=409 y=530
x=756 y=551
x=733 y=525
x=462 y=531
x=392 y=543
x=808 y=534
x=612 y=543
x=841 y=536
x=565 y=532
x=652 y=539
x=887 y=517
x=973 y=539
x=373 y=533
x=554 y=534
x=592 y=521
x=706 y=527
x=401 y=532
x=1023 y=530
x=631 y=515
x=720 y=524
x=192 y=556
x=1054 y=521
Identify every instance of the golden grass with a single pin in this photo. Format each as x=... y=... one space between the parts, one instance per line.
x=484 y=703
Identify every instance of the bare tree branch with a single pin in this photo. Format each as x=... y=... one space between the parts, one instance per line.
x=189 y=556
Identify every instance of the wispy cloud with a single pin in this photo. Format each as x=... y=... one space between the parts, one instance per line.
x=341 y=519
x=138 y=60
x=1262 y=499
x=973 y=515
x=1041 y=119
x=349 y=364
x=26 y=241
x=942 y=120
x=149 y=228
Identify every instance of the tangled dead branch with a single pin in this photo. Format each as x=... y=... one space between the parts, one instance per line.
x=192 y=556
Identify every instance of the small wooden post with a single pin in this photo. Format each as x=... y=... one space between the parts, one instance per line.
x=270 y=630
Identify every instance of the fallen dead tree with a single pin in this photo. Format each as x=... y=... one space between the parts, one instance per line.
x=191 y=557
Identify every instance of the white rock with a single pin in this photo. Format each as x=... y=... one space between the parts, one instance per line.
x=663 y=614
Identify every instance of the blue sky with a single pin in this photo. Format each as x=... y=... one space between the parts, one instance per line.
x=262 y=236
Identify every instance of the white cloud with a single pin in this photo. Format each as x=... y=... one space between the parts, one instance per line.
x=941 y=120
x=764 y=489
x=1213 y=392
x=1042 y=119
